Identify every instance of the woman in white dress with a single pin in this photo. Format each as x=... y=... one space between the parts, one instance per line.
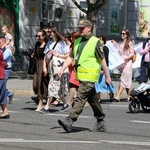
x=58 y=87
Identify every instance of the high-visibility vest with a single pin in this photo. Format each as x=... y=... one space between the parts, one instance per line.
x=88 y=66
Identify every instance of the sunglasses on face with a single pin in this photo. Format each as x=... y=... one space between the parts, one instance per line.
x=123 y=33
x=38 y=36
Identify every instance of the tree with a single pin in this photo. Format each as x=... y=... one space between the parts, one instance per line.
x=93 y=6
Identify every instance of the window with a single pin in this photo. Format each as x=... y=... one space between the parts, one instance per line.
x=83 y=4
x=114 y=17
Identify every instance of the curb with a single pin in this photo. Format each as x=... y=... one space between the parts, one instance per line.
x=23 y=92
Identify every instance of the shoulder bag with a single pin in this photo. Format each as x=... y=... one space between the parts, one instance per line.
x=32 y=65
x=56 y=64
x=48 y=55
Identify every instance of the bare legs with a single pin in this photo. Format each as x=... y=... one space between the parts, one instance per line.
x=40 y=105
x=49 y=100
x=128 y=94
x=63 y=100
x=4 y=110
x=119 y=92
x=71 y=95
x=111 y=96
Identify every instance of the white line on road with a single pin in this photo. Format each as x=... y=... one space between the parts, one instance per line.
x=42 y=141
x=61 y=115
x=17 y=140
x=13 y=111
x=118 y=106
x=126 y=142
x=15 y=99
x=138 y=121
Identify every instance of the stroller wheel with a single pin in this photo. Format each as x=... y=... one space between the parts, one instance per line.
x=145 y=108
x=134 y=107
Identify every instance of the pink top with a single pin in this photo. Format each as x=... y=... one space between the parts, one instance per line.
x=8 y=36
x=146 y=52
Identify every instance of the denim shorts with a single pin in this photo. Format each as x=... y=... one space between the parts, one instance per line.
x=3 y=93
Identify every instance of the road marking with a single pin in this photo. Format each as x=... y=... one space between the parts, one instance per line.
x=16 y=99
x=13 y=111
x=138 y=121
x=126 y=142
x=65 y=115
x=118 y=105
x=17 y=140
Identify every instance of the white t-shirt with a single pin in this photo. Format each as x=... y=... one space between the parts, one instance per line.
x=60 y=47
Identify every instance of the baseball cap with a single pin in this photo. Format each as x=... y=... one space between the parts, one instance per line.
x=84 y=23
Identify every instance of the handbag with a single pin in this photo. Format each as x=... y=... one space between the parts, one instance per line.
x=32 y=66
x=48 y=55
x=56 y=64
x=134 y=57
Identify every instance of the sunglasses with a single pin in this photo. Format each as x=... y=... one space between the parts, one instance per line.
x=38 y=36
x=123 y=33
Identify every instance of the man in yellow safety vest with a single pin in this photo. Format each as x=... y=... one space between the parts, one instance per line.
x=88 y=57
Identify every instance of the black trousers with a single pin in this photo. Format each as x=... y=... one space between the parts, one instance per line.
x=145 y=69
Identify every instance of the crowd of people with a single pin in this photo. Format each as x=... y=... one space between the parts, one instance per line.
x=73 y=66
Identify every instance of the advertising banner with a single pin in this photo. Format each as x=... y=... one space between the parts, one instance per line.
x=144 y=18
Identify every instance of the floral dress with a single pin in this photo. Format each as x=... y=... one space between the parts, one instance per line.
x=58 y=87
x=126 y=68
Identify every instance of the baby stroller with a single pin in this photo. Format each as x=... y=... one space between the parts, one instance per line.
x=140 y=96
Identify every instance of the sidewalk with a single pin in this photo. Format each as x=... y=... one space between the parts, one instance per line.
x=20 y=87
x=23 y=87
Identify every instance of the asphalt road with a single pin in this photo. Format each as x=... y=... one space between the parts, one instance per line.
x=30 y=130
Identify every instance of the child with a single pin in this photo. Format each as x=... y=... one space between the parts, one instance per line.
x=9 y=39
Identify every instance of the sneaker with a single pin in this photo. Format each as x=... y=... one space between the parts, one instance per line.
x=99 y=127
x=44 y=111
x=66 y=123
x=11 y=98
x=64 y=108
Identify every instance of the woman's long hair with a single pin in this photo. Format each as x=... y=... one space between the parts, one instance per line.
x=126 y=46
x=58 y=35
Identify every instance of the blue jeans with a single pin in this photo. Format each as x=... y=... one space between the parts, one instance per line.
x=8 y=72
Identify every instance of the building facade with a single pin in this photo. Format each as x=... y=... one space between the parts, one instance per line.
x=25 y=17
